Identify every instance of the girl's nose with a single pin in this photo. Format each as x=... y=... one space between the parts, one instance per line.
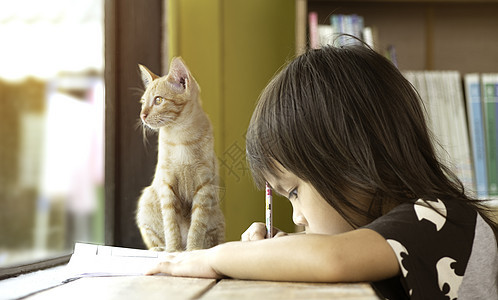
x=298 y=218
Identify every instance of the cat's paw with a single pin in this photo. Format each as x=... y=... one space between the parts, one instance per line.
x=157 y=249
x=193 y=248
x=173 y=249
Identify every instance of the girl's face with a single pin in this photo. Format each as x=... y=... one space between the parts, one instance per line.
x=309 y=208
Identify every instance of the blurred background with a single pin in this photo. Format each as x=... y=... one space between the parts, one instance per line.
x=51 y=127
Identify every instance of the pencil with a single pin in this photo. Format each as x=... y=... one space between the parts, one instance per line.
x=269 y=211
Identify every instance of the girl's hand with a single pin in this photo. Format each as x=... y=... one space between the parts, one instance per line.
x=187 y=264
x=257 y=231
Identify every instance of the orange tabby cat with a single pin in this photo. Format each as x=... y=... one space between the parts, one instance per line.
x=180 y=209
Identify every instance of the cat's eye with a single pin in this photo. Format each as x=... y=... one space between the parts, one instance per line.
x=158 y=100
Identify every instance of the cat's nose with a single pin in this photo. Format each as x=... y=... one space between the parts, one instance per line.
x=144 y=116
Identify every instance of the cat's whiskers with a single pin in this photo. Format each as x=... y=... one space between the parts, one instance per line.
x=144 y=135
x=139 y=124
x=146 y=130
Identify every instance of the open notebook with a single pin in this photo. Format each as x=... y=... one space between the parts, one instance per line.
x=96 y=260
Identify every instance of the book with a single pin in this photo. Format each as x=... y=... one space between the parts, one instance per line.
x=442 y=96
x=313 y=30
x=357 y=25
x=459 y=129
x=352 y=25
x=476 y=127
x=90 y=260
x=325 y=35
x=337 y=25
x=490 y=101
x=368 y=36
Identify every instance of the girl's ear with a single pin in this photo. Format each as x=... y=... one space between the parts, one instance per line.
x=147 y=75
x=178 y=75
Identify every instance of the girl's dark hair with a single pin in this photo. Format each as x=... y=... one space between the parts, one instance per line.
x=348 y=122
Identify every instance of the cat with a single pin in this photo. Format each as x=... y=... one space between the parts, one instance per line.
x=180 y=210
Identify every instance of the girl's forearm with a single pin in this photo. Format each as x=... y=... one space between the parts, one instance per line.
x=356 y=256
x=289 y=258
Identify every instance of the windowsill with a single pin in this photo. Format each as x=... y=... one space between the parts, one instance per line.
x=33 y=282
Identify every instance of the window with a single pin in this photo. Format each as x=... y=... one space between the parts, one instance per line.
x=51 y=127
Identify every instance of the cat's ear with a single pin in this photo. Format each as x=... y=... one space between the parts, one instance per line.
x=147 y=75
x=178 y=75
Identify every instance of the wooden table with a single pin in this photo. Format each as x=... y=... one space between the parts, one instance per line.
x=165 y=287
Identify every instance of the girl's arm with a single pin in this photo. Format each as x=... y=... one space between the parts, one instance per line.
x=358 y=255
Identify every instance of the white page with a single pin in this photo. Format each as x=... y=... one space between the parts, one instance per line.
x=97 y=260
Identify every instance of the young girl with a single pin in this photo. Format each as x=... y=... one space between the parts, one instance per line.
x=342 y=135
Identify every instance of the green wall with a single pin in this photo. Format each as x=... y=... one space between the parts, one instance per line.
x=233 y=48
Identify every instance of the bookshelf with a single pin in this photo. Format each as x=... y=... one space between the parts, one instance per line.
x=428 y=35
x=459 y=35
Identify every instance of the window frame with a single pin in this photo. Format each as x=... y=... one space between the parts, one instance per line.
x=133 y=35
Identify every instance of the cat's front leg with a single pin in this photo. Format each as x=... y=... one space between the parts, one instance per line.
x=149 y=219
x=172 y=235
x=202 y=205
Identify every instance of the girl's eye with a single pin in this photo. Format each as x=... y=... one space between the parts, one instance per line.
x=158 y=100
x=293 y=194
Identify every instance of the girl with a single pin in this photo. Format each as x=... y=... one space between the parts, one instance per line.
x=342 y=134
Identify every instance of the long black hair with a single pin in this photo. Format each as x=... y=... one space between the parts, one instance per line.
x=346 y=120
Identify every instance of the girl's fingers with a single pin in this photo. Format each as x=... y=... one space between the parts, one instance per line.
x=279 y=233
x=256 y=231
x=186 y=264
x=255 y=236
x=164 y=266
x=161 y=267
